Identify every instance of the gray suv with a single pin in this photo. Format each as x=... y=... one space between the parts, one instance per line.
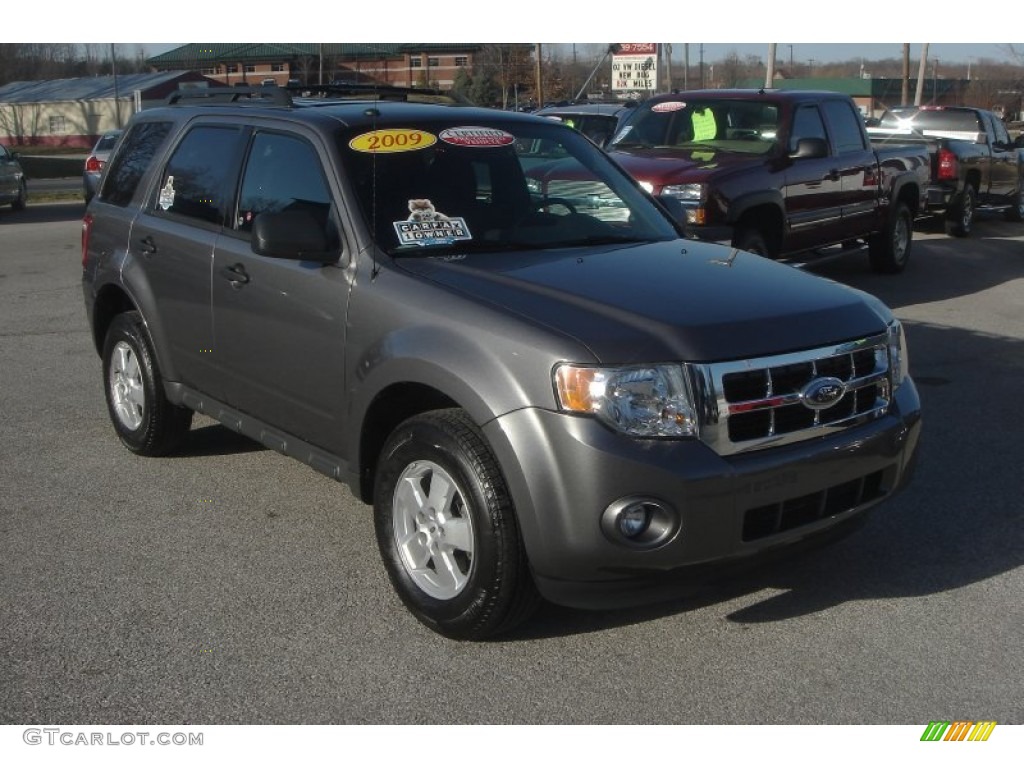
x=424 y=302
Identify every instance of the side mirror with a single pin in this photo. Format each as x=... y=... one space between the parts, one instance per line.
x=810 y=148
x=294 y=235
x=674 y=207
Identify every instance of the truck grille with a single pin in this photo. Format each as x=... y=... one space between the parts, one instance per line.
x=770 y=401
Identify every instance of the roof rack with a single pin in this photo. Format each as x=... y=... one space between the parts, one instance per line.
x=233 y=93
x=282 y=95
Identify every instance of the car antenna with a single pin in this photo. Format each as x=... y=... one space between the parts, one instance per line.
x=374 y=113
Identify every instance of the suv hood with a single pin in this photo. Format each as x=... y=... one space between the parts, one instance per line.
x=666 y=165
x=679 y=300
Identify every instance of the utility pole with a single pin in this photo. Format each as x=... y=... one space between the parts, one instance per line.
x=117 y=95
x=686 y=66
x=668 y=65
x=702 y=65
x=769 y=75
x=920 y=76
x=905 y=92
x=540 y=85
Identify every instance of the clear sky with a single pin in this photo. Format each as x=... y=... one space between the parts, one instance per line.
x=817 y=30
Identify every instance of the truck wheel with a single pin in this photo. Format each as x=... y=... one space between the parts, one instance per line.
x=751 y=240
x=889 y=250
x=447 y=531
x=1016 y=212
x=147 y=423
x=961 y=216
x=21 y=199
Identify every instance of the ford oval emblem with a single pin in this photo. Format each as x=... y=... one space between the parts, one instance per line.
x=823 y=393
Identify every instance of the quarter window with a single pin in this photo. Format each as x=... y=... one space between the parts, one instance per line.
x=131 y=163
x=194 y=181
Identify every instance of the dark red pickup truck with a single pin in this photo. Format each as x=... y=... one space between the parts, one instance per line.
x=975 y=165
x=779 y=173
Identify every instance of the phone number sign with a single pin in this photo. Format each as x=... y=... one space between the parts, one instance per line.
x=635 y=67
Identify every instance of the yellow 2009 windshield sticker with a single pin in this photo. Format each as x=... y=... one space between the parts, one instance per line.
x=392 y=140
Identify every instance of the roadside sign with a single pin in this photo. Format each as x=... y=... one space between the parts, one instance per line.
x=635 y=67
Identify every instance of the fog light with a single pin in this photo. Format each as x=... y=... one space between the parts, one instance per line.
x=640 y=521
x=634 y=519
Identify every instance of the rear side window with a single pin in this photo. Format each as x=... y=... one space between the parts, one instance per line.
x=846 y=126
x=194 y=182
x=129 y=166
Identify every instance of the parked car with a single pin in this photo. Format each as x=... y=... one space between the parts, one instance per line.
x=533 y=400
x=782 y=173
x=13 y=187
x=975 y=165
x=598 y=122
x=96 y=160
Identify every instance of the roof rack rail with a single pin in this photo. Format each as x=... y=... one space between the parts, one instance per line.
x=275 y=95
x=375 y=91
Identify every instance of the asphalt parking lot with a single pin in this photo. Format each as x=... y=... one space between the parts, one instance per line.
x=229 y=584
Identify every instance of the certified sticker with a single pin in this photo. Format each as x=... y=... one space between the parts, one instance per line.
x=668 y=106
x=476 y=136
x=392 y=140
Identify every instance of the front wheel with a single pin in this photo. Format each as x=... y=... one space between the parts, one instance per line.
x=889 y=250
x=961 y=217
x=145 y=421
x=447 y=531
x=22 y=198
x=751 y=240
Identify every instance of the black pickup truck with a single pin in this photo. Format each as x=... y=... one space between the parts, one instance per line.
x=779 y=173
x=975 y=165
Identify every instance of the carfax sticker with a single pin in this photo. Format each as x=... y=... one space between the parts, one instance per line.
x=668 y=106
x=392 y=140
x=476 y=136
x=428 y=226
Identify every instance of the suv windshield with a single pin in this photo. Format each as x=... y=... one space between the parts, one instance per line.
x=452 y=187
x=717 y=124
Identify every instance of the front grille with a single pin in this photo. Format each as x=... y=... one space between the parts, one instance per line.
x=771 y=519
x=782 y=399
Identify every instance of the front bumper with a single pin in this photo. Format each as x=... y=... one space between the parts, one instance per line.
x=564 y=471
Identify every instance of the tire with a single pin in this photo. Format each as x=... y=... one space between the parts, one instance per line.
x=447 y=531
x=145 y=421
x=751 y=240
x=961 y=216
x=22 y=198
x=889 y=251
x=1016 y=212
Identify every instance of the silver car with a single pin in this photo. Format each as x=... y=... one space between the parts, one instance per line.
x=13 y=189
x=95 y=162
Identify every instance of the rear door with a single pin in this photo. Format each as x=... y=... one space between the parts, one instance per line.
x=174 y=239
x=857 y=166
x=1003 y=178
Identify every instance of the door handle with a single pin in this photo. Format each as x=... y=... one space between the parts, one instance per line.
x=832 y=175
x=235 y=274
x=148 y=245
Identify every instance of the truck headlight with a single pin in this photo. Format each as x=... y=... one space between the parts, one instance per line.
x=899 y=363
x=640 y=401
x=685 y=191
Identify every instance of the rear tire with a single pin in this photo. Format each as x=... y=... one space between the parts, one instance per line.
x=889 y=251
x=751 y=240
x=447 y=531
x=961 y=215
x=145 y=420
x=1016 y=212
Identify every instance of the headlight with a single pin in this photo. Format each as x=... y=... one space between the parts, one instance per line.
x=646 y=186
x=641 y=401
x=534 y=186
x=685 y=191
x=899 y=362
